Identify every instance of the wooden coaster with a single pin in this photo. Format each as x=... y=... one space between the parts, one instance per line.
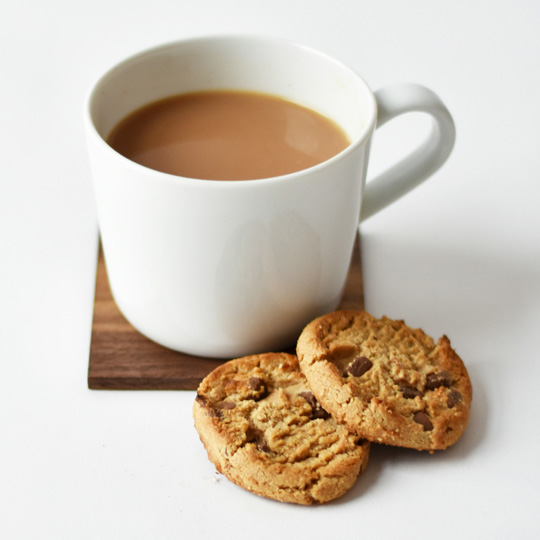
x=123 y=359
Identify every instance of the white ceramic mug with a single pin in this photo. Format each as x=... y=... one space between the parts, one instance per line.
x=228 y=268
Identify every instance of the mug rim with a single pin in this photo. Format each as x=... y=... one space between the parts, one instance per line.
x=359 y=140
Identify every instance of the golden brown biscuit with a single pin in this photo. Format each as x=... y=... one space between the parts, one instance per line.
x=386 y=382
x=264 y=430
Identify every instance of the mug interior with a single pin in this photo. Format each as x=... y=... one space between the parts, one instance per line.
x=266 y=65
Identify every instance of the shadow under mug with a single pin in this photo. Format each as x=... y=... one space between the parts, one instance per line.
x=228 y=268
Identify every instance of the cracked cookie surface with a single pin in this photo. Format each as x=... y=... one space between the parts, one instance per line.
x=265 y=431
x=386 y=382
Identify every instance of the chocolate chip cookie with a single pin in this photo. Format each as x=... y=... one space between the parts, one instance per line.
x=386 y=382
x=265 y=431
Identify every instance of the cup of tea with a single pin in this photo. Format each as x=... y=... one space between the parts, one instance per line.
x=230 y=180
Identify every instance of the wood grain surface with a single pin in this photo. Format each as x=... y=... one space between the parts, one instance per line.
x=123 y=359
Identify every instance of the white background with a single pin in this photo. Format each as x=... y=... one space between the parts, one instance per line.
x=460 y=256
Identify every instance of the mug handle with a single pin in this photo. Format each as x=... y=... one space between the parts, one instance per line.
x=422 y=162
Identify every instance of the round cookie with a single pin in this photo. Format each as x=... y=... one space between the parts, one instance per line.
x=386 y=382
x=264 y=430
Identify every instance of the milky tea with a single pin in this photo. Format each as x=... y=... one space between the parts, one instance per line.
x=227 y=135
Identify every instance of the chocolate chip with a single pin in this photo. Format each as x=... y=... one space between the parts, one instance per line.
x=434 y=380
x=319 y=412
x=262 y=445
x=310 y=398
x=422 y=418
x=212 y=411
x=256 y=436
x=316 y=410
x=255 y=383
x=227 y=405
x=358 y=366
x=258 y=387
x=409 y=392
x=454 y=397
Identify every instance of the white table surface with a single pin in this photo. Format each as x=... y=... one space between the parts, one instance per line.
x=460 y=256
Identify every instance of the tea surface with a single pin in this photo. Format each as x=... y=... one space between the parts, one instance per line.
x=227 y=135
